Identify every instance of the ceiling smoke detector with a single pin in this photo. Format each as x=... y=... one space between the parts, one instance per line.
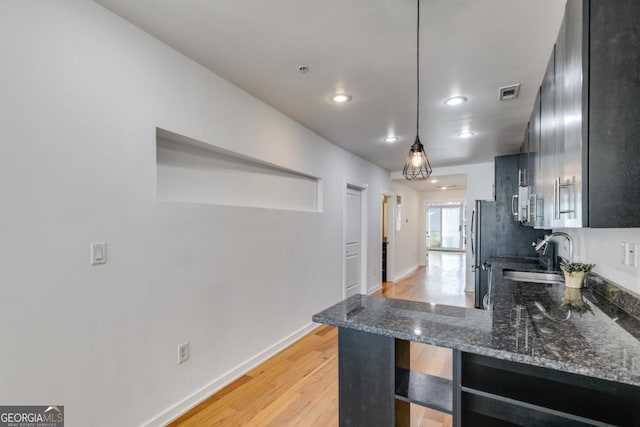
x=509 y=92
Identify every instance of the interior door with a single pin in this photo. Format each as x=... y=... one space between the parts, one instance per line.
x=353 y=245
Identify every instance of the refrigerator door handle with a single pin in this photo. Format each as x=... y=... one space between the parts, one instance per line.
x=473 y=249
x=514 y=205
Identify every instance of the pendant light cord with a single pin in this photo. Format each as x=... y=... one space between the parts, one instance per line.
x=418 y=73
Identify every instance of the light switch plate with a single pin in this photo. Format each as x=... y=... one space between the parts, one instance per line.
x=98 y=253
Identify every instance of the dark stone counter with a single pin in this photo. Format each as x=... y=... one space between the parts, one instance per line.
x=602 y=342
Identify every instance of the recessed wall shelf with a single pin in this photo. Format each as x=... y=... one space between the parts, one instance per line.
x=191 y=171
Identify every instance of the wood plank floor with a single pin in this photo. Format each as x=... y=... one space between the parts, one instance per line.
x=299 y=386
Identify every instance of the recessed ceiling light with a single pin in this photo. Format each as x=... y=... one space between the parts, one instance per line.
x=391 y=139
x=455 y=100
x=446 y=187
x=340 y=98
x=465 y=134
x=434 y=181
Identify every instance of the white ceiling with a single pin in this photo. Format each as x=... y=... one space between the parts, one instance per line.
x=436 y=183
x=367 y=49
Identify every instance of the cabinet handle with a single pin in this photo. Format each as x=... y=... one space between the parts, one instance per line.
x=539 y=212
x=533 y=209
x=473 y=246
x=561 y=186
x=556 y=198
x=514 y=205
x=520 y=180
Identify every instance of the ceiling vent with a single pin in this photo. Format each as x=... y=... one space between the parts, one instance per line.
x=509 y=92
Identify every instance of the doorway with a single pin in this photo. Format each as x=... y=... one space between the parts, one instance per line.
x=387 y=259
x=446 y=227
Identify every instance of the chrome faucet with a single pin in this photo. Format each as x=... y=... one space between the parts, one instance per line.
x=543 y=243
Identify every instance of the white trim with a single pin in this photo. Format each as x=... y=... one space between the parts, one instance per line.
x=181 y=407
x=374 y=290
x=406 y=273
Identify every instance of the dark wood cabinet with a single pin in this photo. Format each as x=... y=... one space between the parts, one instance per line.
x=588 y=156
x=533 y=165
x=498 y=392
x=377 y=386
x=549 y=156
x=511 y=238
x=614 y=113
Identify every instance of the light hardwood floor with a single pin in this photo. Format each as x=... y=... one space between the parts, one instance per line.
x=299 y=386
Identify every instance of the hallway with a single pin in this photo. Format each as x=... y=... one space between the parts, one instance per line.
x=441 y=282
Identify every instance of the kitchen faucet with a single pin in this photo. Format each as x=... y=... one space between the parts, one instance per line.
x=543 y=243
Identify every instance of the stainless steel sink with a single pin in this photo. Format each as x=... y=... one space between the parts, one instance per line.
x=533 y=276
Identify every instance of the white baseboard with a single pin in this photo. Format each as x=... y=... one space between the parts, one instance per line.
x=405 y=273
x=201 y=394
x=374 y=290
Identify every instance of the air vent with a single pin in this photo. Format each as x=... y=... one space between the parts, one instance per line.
x=509 y=92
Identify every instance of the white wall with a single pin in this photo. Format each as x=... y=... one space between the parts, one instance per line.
x=602 y=247
x=480 y=179
x=407 y=239
x=82 y=94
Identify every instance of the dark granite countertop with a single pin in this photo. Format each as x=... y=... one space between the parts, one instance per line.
x=603 y=342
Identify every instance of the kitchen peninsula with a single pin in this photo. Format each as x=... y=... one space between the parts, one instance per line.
x=526 y=361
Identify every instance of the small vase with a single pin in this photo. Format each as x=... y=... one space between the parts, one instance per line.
x=574 y=301
x=573 y=280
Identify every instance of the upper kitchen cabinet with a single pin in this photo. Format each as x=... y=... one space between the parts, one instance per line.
x=613 y=110
x=533 y=150
x=550 y=164
x=589 y=154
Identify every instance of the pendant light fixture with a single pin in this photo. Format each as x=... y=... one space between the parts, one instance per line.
x=417 y=166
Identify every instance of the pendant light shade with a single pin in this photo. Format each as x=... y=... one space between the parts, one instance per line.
x=417 y=166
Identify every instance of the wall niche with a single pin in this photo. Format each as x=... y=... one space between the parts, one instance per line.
x=191 y=171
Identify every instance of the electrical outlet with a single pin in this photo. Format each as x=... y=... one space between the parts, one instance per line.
x=630 y=255
x=183 y=353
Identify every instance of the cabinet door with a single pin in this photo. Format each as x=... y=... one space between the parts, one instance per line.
x=534 y=165
x=614 y=114
x=568 y=83
x=548 y=154
x=524 y=182
x=570 y=89
x=523 y=167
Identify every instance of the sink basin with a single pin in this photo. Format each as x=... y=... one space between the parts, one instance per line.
x=533 y=276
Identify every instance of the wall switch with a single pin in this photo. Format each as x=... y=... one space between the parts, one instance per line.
x=183 y=353
x=98 y=253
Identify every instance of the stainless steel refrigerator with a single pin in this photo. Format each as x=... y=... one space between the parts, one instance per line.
x=483 y=246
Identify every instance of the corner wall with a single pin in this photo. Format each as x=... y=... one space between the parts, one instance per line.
x=407 y=239
x=83 y=92
x=602 y=247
